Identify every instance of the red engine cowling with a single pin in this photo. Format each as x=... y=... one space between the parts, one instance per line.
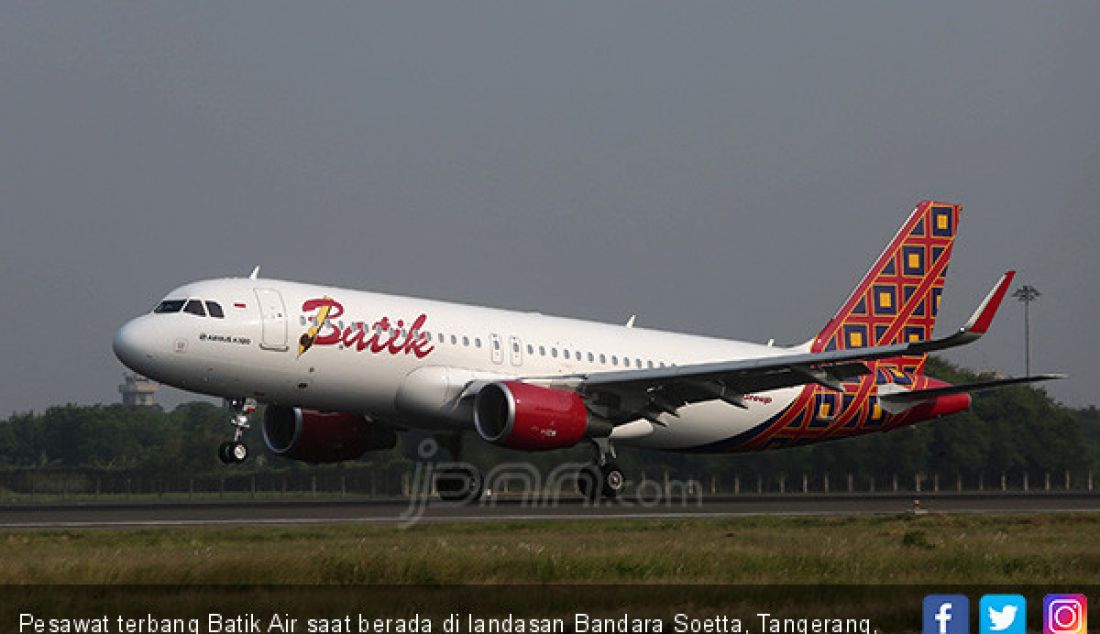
x=524 y=416
x=313 y=436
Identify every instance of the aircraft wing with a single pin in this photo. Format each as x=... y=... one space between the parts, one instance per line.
x=646 y=393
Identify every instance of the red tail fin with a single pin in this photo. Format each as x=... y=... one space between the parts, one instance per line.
x=897 y=300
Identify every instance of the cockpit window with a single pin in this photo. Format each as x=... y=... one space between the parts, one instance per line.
x=169 y=306
x=215 y=309
x=194 y=307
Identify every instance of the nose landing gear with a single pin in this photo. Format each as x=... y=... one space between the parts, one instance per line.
x=234 y=451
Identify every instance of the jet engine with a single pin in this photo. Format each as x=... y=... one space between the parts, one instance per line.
x=313 y=436
x=523 y=416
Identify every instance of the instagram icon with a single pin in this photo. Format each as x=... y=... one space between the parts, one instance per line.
x=1065 y=614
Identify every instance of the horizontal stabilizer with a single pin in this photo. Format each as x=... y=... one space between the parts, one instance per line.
x=900 y=398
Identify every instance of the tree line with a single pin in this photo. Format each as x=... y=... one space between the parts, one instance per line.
x=1014 y=430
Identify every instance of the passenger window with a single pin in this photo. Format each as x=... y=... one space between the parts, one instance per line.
x=477 y=342
x=614 y=360
x=565 y=353
x=194 y=307
x=515 y=347
x=215 y=310
x=603 y=358
x=440 y=337
x=650 y=364
x=454 y=340
x=465 y=341
x=169 y=306
x=496 y=344
x=590 y=357
x=637 y=363
x=554 y=352
x=530 y=349
x=542 y=351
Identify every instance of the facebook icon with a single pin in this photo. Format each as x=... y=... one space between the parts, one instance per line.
x=946 y=614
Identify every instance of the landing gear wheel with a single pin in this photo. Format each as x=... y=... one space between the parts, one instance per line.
x=459 y=484
x=589 y=483
x=238 y=451
x=603 y=478
x=233 y=452
x=595 y=482
x=613 y=480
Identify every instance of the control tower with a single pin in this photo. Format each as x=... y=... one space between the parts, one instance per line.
x=138 y=391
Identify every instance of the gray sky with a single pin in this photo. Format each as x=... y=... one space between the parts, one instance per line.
x=721 y=168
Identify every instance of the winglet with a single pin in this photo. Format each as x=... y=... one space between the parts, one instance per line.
x=630 y=322
x=976 y=326
x=255 y=273
x=980 y=320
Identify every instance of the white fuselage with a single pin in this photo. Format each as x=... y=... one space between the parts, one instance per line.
x=412 y=379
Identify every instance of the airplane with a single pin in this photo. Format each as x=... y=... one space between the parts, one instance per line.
x=342 y=372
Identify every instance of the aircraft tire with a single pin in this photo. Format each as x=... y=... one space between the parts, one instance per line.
x=613 y=481
x=224 y=452
x=459 y=484
x=238 y=451
x=590 y=483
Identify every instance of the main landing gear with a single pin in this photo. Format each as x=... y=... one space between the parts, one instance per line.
x=603 y=478
x=458 y=481
x=234 y=451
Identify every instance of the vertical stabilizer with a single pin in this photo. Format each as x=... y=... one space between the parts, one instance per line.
x=897 y=300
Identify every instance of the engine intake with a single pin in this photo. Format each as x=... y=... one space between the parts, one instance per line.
x=313 y=436
x=523 y=416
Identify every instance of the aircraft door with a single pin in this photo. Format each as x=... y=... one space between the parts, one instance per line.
x=273 y=319
x=515 y=347
x=496 y=347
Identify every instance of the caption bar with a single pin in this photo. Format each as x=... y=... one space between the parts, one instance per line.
x=456 y=623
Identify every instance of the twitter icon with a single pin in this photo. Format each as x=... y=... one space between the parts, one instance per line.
x=1002 y=614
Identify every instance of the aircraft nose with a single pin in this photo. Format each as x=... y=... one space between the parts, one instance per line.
x=134 y=344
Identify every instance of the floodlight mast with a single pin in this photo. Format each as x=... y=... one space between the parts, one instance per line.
x=1027 y=294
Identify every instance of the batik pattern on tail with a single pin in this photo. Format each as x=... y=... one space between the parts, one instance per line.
x=896 y=301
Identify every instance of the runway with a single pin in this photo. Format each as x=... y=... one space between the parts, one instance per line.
x=400 y=511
